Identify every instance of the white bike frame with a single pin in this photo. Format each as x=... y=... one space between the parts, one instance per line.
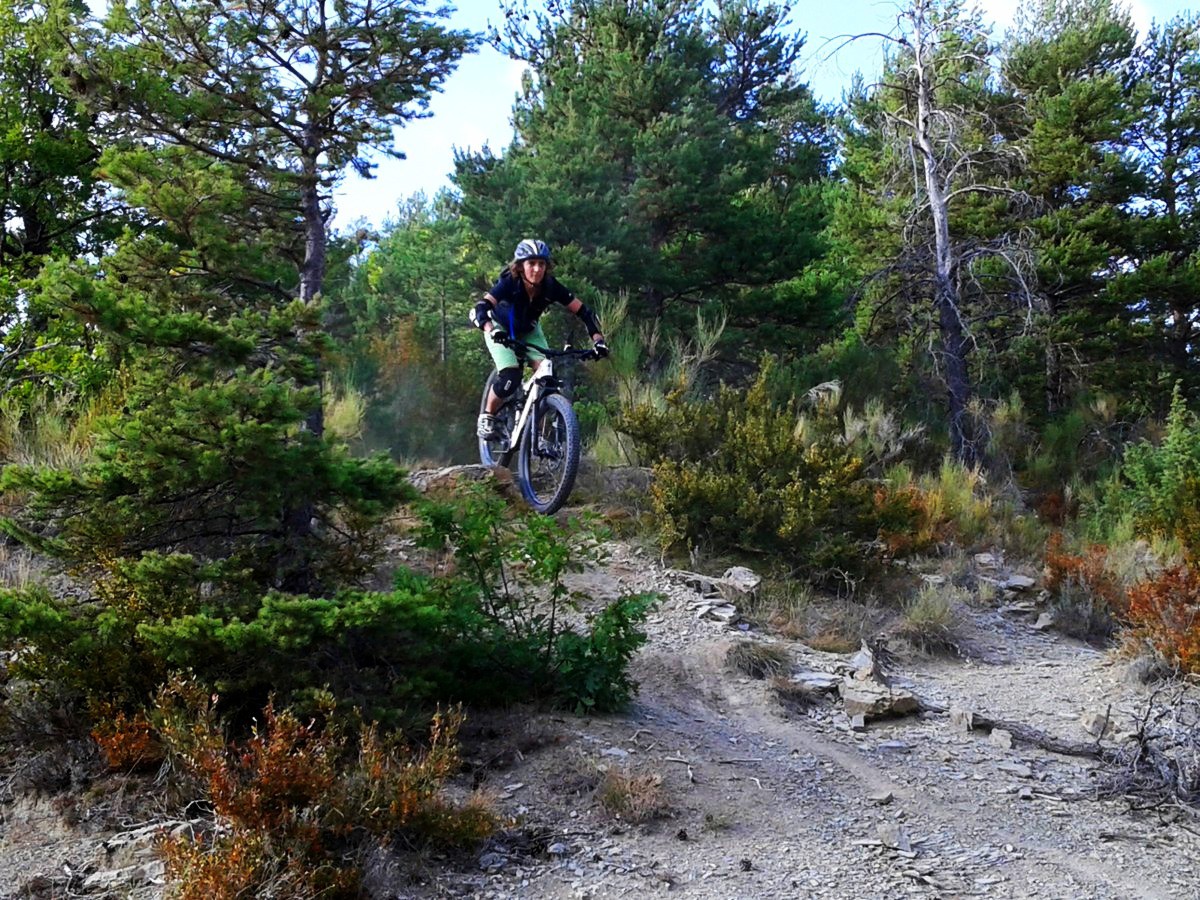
x=532 y=392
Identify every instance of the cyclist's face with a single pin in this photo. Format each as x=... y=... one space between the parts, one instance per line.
x=535 y=270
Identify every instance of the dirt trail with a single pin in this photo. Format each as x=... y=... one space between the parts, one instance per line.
x=767 y=803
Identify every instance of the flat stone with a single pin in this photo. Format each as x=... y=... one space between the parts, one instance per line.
x=725 y=612
x=129 y=876
x=492 y=860
x=701 y=584
x=1044 y=622
x=558 y=848
x=1094 y=723
x=821 y=682
x=1020 y=583
x=986 y=560
x=1001 y=738
x=874 y=701
x=426 y=480
x=1019 y=769
x=894 y=837
x=883 y=798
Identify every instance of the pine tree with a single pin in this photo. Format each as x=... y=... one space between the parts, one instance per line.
x=1068 y=65
x=666 y=149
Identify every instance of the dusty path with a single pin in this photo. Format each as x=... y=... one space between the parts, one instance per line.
x=761 y=801
x=766 y=803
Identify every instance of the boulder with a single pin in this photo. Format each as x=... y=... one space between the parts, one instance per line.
x=875 y=701
x=961 y=719
x=739 y=584
x=1001 y=738
x=426 y=480
x=1019 y=583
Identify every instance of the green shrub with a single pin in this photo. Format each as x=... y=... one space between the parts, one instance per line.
x=744 y=470
x=1158 y=485
x=930 y=620
x=495 y=631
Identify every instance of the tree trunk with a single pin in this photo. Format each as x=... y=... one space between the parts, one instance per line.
x=296 y=574
x=952 y=331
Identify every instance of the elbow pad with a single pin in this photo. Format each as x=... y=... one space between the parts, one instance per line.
x=480 y=314
x=590 y=320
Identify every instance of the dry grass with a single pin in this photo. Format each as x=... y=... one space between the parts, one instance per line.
x=345 y=412
x=53 y=433
x=18 y=567
x=794 y=611
x=930 y=620
x=632 y=795
x=758 y=660
x=795 y=696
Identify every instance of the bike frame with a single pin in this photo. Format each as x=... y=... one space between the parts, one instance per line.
x=533 y=390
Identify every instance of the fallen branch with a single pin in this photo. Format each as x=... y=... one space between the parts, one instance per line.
x=1029 y=735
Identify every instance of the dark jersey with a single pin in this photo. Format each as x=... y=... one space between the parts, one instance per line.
x=516 y=311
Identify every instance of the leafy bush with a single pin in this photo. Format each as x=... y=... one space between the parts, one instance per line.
x=1166 y=610
x=744 y=470
x=521 y=642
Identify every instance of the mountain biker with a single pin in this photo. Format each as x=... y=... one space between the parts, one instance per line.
x=510 y=311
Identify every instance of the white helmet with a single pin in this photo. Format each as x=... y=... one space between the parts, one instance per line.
x=531 y=249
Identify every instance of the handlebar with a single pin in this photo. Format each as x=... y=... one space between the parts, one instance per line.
x=566 y=352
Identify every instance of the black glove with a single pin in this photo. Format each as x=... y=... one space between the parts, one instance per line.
x=600 y=349
x=500 y=337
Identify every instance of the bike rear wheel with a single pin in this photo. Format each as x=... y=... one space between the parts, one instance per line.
x=497 y=451
x=549 y=455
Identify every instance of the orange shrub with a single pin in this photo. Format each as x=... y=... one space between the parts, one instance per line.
x=1088 y=571
x=1166 y=610
x=294 y=800
x=906 y=523
x=128 y=743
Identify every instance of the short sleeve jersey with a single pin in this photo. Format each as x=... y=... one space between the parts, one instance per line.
x=526 y=312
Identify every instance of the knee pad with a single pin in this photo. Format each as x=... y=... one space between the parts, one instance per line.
x=506 y=382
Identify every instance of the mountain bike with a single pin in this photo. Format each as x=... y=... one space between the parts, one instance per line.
x=537 y=424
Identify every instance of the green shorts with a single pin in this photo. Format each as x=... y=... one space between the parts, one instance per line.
x=506 y=357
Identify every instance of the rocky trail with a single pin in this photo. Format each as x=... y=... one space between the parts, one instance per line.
x=766 y=802
x=745 y=796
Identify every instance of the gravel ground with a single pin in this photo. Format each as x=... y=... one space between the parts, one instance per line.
x=755 y=800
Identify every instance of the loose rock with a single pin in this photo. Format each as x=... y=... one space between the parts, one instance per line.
x=874 y=701
x=739 y=584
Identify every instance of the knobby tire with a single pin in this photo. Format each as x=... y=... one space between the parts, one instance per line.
x=548 y=460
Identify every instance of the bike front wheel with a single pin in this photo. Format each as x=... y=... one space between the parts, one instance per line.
x=549 y=455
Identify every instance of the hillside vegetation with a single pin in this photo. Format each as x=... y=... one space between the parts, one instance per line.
x=956 y=314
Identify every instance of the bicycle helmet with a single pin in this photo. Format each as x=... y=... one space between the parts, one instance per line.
x=531 y=249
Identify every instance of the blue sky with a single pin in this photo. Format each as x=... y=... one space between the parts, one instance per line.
x=475 y=106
